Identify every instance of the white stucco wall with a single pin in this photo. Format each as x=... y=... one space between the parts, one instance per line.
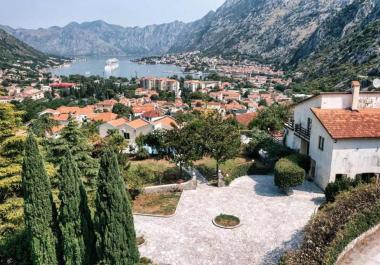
x=355 y=156
x=323 y=159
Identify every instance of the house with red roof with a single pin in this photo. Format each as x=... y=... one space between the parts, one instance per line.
x=340 y=132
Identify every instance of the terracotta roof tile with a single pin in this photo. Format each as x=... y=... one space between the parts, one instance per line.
x=347 y=124
x=246 y=118
x=118 y=122
x=104 y=117
x=138 y=123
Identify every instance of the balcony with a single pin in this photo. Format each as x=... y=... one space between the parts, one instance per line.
x=290 y=124
x=302 y=132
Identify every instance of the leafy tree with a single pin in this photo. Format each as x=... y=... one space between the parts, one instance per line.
x=184 y=145
x=73 y=138
x=11 y=151
x=263 y=102
x=116 y=236
x=122 y=111
x=271 y=118
x=43 y=124
x=78 y=237
x=221 y=139
x=39 y=208
x=156 y=140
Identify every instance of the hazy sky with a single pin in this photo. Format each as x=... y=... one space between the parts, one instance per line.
x=45 y=13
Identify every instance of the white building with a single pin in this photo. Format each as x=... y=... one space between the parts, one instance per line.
x=195 y=85
x=161 y=84
x=340 y=132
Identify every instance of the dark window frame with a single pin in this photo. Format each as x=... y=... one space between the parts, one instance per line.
x=321 y=143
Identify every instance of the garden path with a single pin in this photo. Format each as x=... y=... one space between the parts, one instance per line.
x=272 y=224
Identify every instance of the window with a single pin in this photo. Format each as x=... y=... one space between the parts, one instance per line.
x=126 y=135
x=309 y=123
x=321 y=143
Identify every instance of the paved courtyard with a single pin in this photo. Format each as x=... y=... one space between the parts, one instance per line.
x=272 y=223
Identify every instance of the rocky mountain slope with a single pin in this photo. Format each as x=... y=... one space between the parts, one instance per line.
x=345 y=47
x=14 y=51
x=100 y=38
x=266 y=30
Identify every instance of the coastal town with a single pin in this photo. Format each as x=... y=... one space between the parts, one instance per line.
x=250 y=135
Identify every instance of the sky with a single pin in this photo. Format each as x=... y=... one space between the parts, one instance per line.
x=46 y=13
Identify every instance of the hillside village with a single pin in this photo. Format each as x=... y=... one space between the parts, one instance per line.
x=248 y=136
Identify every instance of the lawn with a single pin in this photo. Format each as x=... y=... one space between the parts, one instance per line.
x=157 y=172
x=236 y=167
x=157 y=203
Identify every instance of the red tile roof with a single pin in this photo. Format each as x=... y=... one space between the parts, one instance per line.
x=118 y=122
x=138 y=123
x=348 y=124
x=246 y=118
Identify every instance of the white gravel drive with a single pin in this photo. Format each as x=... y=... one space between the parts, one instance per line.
x=272 y=223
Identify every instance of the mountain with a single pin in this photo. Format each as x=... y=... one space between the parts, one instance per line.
x=100 y=38
x=14 y=51
x=345 y=47
x=265 y=30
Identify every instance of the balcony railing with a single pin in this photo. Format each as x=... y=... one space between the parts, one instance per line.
x=290 y=124
x=302 y=132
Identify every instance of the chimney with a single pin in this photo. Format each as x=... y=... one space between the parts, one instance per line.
x=355 y=88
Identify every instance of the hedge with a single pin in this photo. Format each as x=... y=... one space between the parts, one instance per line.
x=336 y=225
x=288 y=174
x=303 y=161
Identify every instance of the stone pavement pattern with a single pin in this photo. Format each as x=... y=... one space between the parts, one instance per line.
x=366 y=252
x=272 y=223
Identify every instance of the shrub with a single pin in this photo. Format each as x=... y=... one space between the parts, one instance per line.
x=303 y=161
x=334 y=188
x=335 y=225
x=288 y=174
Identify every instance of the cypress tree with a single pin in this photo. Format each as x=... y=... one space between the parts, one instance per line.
x=38 y=207
x=116 y=236
x=78 y=238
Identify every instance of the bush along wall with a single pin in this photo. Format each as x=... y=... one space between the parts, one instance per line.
x=336 y=225
x=288 y=174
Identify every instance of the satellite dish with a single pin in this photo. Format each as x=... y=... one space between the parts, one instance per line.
x=376 y=83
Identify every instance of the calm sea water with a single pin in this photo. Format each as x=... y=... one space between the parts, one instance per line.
x=95 y=66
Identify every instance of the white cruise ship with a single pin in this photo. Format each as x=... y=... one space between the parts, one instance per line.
x=111 y=65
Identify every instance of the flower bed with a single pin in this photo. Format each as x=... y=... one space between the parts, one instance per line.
x=158 y=204
x=226 y=221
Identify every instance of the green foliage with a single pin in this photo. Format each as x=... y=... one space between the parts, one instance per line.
x=262 y=140
x=43 y=124
x=221 y=139
x=271 y=118
x=39 y=207
x=340 y=185
x=184 y=144
x=288 y=174
x=116 y=237
x=78 y=238
x=335 y=225
x=122 y=111
x=73 y=138
x=304 y=161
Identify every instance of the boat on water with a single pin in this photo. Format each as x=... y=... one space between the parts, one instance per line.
x=111 y=65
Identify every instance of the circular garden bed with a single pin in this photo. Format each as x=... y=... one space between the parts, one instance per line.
x=226 y=221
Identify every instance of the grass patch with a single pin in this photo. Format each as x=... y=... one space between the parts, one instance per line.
x=152 y=172
x=157 y=203
x=227 y=220
x=235 y=168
